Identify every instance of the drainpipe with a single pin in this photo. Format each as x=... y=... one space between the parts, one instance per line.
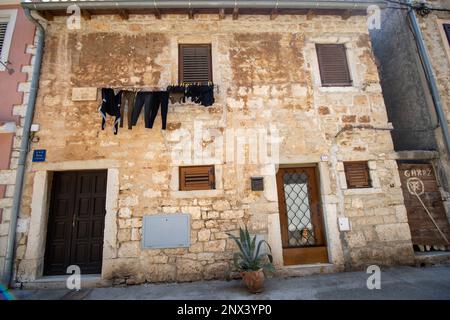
x=24 y=146
x=430 y=76
x=202 y=4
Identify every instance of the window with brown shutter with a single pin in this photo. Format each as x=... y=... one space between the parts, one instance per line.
x=3 y=27
x=197 y=178
x=333 y=65
x=194 y=63
x=357 y=174
x=447 y=31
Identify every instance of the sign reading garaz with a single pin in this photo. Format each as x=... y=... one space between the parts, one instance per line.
x=39 y=155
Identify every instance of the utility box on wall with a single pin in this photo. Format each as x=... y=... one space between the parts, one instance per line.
x=257 y=183
x=166 y=231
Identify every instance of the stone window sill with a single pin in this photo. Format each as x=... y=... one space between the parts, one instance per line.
x=337 y=89
x=197 y=194
x=362 y=191
x=7 y=127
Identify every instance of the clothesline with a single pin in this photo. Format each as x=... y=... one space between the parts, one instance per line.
x=149 y=88
x=118 y=101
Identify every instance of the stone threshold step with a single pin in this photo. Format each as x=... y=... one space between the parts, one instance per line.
x=59 y=282
x=306 y=270
x=432 y=257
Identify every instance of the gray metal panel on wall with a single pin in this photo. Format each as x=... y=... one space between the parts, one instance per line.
x=166 y=231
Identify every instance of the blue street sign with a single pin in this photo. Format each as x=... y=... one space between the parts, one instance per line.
x=39 y=155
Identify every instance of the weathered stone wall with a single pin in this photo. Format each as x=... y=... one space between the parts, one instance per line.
x=406 y=92
x=438 y=49
x=267 y=76
x=408 y=102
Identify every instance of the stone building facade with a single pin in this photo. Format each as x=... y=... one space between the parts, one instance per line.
x=438 y=45
x=437 y=42
x=268 y=86
x=418 y=136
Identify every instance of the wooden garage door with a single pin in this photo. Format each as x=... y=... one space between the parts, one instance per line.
x=419 y=180
x=76 y=222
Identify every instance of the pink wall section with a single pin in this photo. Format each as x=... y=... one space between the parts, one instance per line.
x=6 y=141
x=2 y=194
x=23 y=35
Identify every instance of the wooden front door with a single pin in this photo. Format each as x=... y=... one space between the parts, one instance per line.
x=419 y=181
x=76 y=222
x=302 y=232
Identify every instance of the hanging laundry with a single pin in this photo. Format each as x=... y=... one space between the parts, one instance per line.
x=176 y=94
x=110 y=105
x=126 y=107
x=142 y=99
x=151 y=102
x=199 y=93
x=160 y=98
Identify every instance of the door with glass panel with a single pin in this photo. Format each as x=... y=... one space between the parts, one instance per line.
x=301 y=220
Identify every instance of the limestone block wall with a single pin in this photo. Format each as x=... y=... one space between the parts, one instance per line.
x=439 y=52
x=406 y=92
x=408 y=102
x=268 y=79
x=438 y=49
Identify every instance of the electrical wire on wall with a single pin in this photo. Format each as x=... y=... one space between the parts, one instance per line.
x=363 y=127
x=421 y=8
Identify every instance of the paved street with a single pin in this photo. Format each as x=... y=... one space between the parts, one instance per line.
x=396 y=283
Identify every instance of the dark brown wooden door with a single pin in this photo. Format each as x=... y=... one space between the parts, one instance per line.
x=301 y=220
x=76 y=222
x=419 y=180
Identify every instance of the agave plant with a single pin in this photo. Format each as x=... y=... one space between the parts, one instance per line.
x=250 y=257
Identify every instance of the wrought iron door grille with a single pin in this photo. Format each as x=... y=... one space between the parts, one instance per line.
x=300 y=228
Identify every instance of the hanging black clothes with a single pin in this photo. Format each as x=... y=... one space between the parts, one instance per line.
x=176 y=94
x=110 y=105
x=151 y=102
x=142 y=100
x=201 y=94
x=159 y=98
x=126 y=108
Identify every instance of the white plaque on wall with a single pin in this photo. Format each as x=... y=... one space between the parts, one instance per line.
x=84 y=94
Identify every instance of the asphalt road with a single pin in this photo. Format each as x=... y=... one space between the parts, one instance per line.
x=396 y=283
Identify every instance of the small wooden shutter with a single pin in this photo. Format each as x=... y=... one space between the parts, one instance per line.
x=447 y=32
x=3 y=26
x=357 y=175
x=333 y=65
x=197 y=178
x=195 y=63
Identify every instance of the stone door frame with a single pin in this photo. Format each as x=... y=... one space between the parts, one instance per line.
x=329 y=210
x=32 y=266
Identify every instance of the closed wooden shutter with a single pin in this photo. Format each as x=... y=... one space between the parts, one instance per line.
x=357 y=174
x=197 y=178
x=447 y=31
x=3 y=26
x=333 y=65
x=195 y=63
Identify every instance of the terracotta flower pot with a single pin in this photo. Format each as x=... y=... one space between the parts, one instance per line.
x=254 y=280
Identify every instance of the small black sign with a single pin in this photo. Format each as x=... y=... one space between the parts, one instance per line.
x=257 y=183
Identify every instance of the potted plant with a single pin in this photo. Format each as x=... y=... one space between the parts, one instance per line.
x=250 y=261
